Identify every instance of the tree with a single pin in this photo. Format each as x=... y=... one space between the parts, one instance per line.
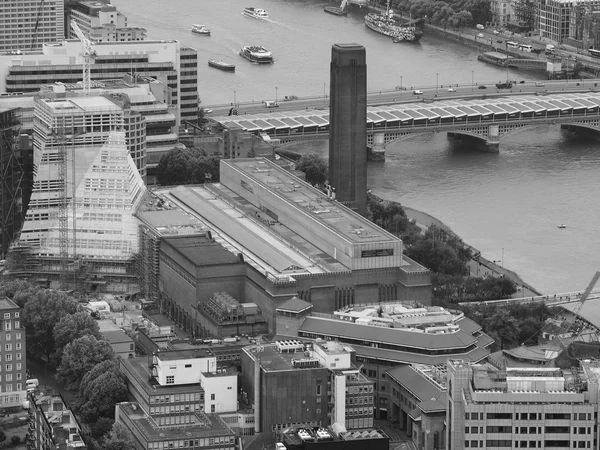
x=119 y=438
x=101 y=428
x=71 y=327
x=17 y=290
x=314 y=167
x=187 y=166
x=79 y=357
x=41 y=313
x=100 y=390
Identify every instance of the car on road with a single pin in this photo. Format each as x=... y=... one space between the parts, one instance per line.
x=482 y=86
x=540 y=83
x=480 y=35
x=207 y=111
x=417 y=92
x=496 y=32
x=451 y=90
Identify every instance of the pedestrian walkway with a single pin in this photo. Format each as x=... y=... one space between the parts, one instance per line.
x=390 y=430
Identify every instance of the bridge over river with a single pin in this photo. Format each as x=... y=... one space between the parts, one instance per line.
x=485 y=119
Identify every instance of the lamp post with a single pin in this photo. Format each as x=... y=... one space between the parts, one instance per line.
x=503 y=257
x=234 y=99
x=472 y=78
x=437 y=83
x=401 y=79
x=275 y=94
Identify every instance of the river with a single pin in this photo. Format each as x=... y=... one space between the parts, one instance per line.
x=506 y=205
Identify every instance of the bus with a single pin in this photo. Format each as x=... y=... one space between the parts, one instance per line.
x=511 y=44
x=594 y=53
x=526 y=48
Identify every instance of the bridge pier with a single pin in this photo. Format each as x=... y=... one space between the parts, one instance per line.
x=487 y=137
x=376 y=151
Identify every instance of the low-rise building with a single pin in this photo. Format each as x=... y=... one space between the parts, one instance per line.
x=332 y=438
x=52 y=424
x=120 y=342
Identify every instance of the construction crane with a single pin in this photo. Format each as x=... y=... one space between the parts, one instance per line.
x=88 y=52
x=588 y=290
x=37 y=23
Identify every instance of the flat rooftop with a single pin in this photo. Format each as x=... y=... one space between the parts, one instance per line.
x=174 y=355
x=170 y=221
x=138 y=368
x=81 y=104
x=272 y=360
x=201 y=250
x=205 y=425
x=355 y=228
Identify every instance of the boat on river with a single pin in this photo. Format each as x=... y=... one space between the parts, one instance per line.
x=221 y=65
x=257 y=13
x=257 y=54
x=341 y=10
x=386 y=23
x=200 y=29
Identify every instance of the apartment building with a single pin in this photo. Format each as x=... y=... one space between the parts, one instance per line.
x=52 y=424
x=13 y=391
x=28 y=24
x=538 y=407
x=167 y=61
x=177 y=397
x=102 y=22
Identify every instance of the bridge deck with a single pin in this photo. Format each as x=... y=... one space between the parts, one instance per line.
x=447 y=112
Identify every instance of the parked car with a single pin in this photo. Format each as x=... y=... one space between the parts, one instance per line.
x=480 y=35
x=496 y=32
x=417 y=92
x=481 y=86
x=451 y=90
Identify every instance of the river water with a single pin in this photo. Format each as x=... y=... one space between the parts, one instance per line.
x=507 y=204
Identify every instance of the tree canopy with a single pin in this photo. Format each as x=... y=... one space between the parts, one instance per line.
x=119 y=438
x=71 y=327
x=187 y=166
x=79 y=357
x=315 y=168
x=100 y=389
x=456 y=13
x=42 y=311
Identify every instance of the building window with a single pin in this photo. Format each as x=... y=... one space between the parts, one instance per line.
x=170 y=379
x=212 y=408
x=318 y=389
x=212 y=396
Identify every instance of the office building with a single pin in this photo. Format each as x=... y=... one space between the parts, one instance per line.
x=536 y=407
x=348 y=129
x=86 y=190
x=28 y=24
x=13 y=390
x=52 y=424
x=13 y=176
x=417 y=403
x=167 y=61
x=177 y=397
x=501 y=12
x=292 y=384
x=102 y=22
x=273 y=237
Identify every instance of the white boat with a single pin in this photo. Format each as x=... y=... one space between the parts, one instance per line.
x=200 y=29
x=257 y=54
x=562 y=225
x=257 y=13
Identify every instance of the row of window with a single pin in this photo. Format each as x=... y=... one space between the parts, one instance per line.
x=9 y=348
x=188 y=397
x=9 y=387
x=527 y=444
x=528 y=416
x=219 y=440
x=527 y=430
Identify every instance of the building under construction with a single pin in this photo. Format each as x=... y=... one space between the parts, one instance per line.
x=80 y=231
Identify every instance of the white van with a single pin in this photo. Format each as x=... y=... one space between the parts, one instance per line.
x=271 y=104
x=32 y=383
x=480 y=27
